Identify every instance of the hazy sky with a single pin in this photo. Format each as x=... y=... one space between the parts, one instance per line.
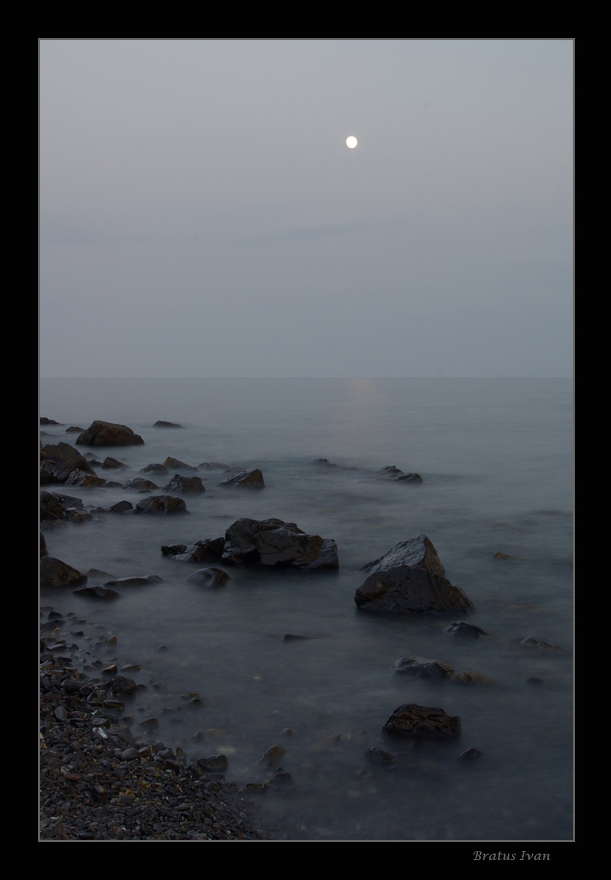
x=201 y=215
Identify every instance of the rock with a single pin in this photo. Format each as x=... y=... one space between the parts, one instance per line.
x=46 y=421
x=142 y=581
x=113 y=463
x=324 y=462
x=419 y=667
x=273 y=542
x=161 y=504
x=379 y=756
x=252 y=479
x=469 y=755
x=43 y=546
x=472 y=678
x=464 y=630
x=154 y=469
x=209 y=577
x=122 y=507
x=140 y=484
x=63 y=462
x=162 y=424
x=174 y=464
x=398 y=476
x=411 y=720
x=214 y=763
x=55 y=573
x=410 y=590
x=189 y=485
x=208 y=550
x=97 y=593
x=108 y=434
x=416 y=552
x=59 y=507
x=540 y=645
x=499 y=555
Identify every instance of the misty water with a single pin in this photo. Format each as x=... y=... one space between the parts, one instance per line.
x=496 y=459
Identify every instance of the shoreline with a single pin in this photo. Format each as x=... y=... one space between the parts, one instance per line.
x=101 y=782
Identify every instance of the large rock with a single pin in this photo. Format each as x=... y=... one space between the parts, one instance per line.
x=61 y=463
x=55 y=573
x=252 y=479
x=274 y=542
x=107 y=434
x=406 y=590
x=59 y=507
x=411 y=720
x=207 y=550
x=416 y=552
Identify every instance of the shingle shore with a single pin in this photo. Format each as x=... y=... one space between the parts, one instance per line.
x=98 y=782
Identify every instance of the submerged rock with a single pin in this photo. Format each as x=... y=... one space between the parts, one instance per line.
x=419 y=667
x=108 y=434
x=411 y=720
x=464 y=630
x=273 y=542
x=162 y=424
x=397 y=475
x=540 y=645
x=209 y=577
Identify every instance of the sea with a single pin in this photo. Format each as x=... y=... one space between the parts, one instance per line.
x=284 y=658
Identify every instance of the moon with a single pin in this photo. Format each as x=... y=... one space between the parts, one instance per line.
x=351 y=142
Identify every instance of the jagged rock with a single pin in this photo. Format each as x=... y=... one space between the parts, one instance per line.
x=274 y=542
x=209 y=577
x=190 y=485
x=161 y=504
x=162 y=424
x=410 y=590
x=59 y=507
x=46 y=421
x=464 y=630
x=252 y=479
x=55 y=573
x=62 y=462
x=108 y=434
x=417 y=552
x=419 y=667
x=411 y=720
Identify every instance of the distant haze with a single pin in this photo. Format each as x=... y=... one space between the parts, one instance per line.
x=201 y=214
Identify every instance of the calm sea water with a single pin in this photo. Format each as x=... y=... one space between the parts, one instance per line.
x=496 y=458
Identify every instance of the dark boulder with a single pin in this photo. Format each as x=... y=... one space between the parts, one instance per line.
x=189 y=485
x=417 y=552
x=63 y=463
x=112 y=464
x=208 y=550
x=55 y=573
x=425 y=722
x=97 y=593
x=154 y=468
x=122 y=507
x=407 y=590
x=252 y=479
x=140 y=484
x=108 y=434
x=60 y=507
x=143 y=581
x=161 y=504
x=397 y=475
x=162 y=424
x=273 y=542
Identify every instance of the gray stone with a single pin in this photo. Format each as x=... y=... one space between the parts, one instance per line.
x=252 y=479
x=55 y=573
x=189 y=485
x=161 y=504
x=419 y=667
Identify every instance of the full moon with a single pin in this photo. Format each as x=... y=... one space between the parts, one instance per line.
x=351 y=142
